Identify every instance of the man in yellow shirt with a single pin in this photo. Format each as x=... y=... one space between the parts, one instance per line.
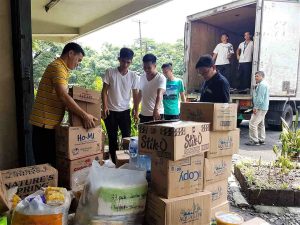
x=51 y=101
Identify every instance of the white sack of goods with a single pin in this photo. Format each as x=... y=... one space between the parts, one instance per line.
x=112 y=194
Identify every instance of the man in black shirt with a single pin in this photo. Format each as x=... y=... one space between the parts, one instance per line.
x=215 y=88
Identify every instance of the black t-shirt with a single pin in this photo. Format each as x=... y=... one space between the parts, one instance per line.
x=216 y=89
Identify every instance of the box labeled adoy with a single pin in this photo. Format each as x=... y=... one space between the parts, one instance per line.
x=219 y=191
x=30 y=179
x=67 y=169
x=223 y=207
x=171 y=179
x=89 y=101
x=221 y=116
x=223 y=143
x=173 y=140
x=191 y=209
x=77 y=142
x=216 y=169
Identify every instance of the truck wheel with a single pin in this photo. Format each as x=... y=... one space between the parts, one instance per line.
x=287 y=114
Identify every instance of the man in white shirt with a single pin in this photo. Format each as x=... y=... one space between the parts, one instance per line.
x=244 y=55
x=221 y=55
x=116 y=94
x=152 y=88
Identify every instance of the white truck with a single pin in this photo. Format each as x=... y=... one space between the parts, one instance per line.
x=275 y=26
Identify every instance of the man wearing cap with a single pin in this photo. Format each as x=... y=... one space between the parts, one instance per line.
x=215 y=87
x=118 y=83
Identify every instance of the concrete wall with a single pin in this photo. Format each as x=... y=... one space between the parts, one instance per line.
x=8 y=126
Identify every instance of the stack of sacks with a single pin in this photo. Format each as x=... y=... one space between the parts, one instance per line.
x=177 y=153
x=224 y=142
x=77 y=147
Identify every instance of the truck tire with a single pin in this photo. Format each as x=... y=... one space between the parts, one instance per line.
x=287 y=114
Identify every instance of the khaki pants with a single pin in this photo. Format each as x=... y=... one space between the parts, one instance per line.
x=257 y=126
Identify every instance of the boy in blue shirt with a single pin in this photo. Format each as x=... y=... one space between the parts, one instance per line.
x=174 y=88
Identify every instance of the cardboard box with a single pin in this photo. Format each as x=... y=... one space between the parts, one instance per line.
x=121 y=158
x=221 y=116
x=256 y=221
x=191 y=209
x=30 y=179
x=173 y=140
x=77 y=142
x=66 y=169
x=4 y=203
x=89 y=101
x=223 y=207
x=216 y=169
x=171 y=179
x=219 y=191
x=223 y=143
x=125 y=143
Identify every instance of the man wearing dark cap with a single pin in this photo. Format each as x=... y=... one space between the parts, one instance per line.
x=118 y=83
x=215 y=88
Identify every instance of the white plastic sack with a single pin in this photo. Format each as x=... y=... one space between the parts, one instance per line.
x=112 y=195
x=33 y=211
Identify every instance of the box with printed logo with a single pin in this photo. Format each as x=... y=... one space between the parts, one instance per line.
x=77 y=142
x=216 y=169
x=223 y=143
x=191 y=209
x=221 y=116
x=223 y=207
x=68 y=169
x=89 y=101
x=171 y=179
x=173 y=140
x=218 y=191
x=30 y=179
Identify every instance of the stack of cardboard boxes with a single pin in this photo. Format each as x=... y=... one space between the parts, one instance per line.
x=177 y=152
x=77 y=147
x=224 y=142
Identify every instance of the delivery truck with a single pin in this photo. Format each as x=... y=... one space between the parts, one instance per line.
x=275 y=26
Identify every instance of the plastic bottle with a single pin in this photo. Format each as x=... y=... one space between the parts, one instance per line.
x=133 y=149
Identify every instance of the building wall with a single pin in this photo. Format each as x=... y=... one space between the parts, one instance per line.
x=8 y=126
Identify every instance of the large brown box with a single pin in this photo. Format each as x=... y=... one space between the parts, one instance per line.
x=77 y=142
x=223 y=207
x=171 y=179
x=223 y=143
x=173 y=140
x=221 y=116
x=30 y=179
x=191 y=209
x=66 y=169
x=121 y=158
x=216 y=169
x=219 y=191
x=89 y=101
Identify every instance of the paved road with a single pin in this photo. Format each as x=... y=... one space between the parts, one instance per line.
x=263 y=151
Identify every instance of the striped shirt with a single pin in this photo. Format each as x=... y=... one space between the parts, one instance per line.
x=48 y=110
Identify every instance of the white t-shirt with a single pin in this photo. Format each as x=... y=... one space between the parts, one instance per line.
x=149 y=93
x=119 y=90
x=246 y=52
x=222 y=50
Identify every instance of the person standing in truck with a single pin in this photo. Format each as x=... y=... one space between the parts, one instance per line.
x=215 y=87
x=174 y=88
x=152 y=88
x=118 y=84
x=221 y=56
x=257 y=133
x=244 y=55
x=51 y=100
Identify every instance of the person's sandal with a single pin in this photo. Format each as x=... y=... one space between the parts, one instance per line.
x=262 y=143
x=252 y=143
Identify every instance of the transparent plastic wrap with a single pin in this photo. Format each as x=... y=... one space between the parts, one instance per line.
x=112 y=194
x=34 y=211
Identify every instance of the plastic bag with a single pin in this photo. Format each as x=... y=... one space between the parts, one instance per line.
x=112 y=195
x=34 y=211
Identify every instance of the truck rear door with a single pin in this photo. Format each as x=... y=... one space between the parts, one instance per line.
x=280 y=46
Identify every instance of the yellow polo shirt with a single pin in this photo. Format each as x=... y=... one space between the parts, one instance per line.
x=48 y=110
